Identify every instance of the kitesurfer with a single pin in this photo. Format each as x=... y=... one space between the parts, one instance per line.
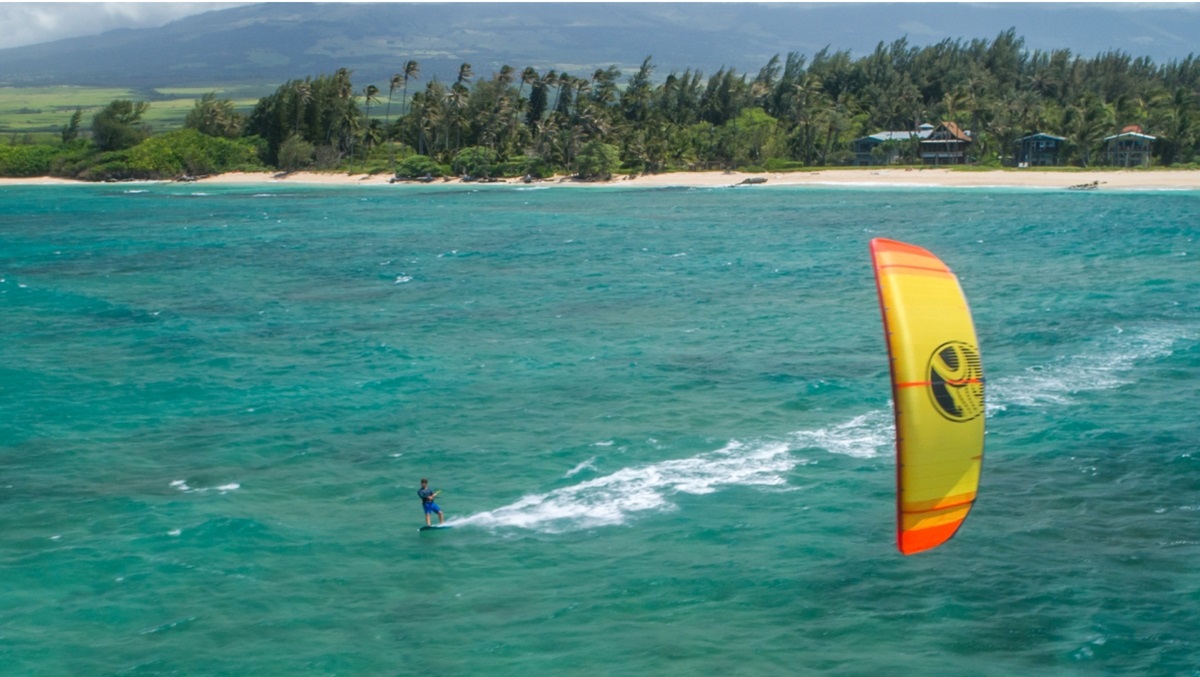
x=427 y=495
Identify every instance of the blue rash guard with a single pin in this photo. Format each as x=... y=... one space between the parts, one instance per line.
x=427 y=501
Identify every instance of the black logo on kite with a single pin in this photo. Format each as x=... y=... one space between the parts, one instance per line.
x=956 y=381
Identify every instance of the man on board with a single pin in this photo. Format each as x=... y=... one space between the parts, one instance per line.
x=427 y=495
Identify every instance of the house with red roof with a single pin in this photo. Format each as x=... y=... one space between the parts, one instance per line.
x=1130 y=148
x=946 y=145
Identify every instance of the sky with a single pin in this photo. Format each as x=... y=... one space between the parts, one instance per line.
x=29 y=23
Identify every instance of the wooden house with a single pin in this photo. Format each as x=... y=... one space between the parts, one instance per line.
x=884 y=148
x=946 y=145
x=1130 y=148
x=1039 y=150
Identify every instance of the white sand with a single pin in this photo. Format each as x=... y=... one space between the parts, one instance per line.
x=1106 y=178
x=1138 y=179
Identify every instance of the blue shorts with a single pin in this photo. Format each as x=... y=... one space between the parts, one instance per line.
x=431 y=507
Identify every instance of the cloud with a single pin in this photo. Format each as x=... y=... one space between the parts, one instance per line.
x=30 y=23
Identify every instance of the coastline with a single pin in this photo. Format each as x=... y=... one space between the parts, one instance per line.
x=1137 y=179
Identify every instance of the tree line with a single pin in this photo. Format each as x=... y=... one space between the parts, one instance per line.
x=796 y=111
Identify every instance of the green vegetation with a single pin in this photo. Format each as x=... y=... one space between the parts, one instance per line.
x=796 y=112
x=419 y=166
x=118 y=126
x=598 y=160
x=44 y=109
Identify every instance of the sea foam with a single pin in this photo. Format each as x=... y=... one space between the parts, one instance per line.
x=619 y=497
x=1108 y=366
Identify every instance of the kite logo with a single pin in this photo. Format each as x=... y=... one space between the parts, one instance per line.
x=956 y=381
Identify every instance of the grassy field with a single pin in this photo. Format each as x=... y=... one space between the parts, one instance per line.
x=39 y=110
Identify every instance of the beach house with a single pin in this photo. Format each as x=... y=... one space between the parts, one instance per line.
x=1039 y=150
x=947 y=144
x=1130 y=148
x=886 y=148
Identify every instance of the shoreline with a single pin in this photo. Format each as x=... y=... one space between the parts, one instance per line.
x=1135 y=179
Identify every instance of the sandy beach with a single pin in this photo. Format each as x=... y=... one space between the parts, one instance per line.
x=1100 y=179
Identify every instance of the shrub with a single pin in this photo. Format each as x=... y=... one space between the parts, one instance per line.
x=525 y=166
x=598 y=160
x=417 y=166
x=73 y=159
x=187 y=151
x=295 y=153
x=475 y=161
x=111 y=165
x=776 y=164
x=24 y=161
x=119 y=125
x=326 y=157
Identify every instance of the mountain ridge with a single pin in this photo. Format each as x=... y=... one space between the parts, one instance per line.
x=269 y=43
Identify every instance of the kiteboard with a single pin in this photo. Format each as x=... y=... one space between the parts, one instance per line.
x=434 y=527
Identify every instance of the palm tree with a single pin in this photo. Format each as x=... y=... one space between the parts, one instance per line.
x=464 y=74
x=341 y=81
x=412 y=70
x=344 y=90
x=387 y=117
x=1171 y=119
x=370 y=93
x=605 y=85
x=215 y=117
x=550 y=79
x=528 y=77
x=564 y=85
x=1086 y=125
x=303 y=98
x=458 y=97
x=806 y=101
x=348 y=124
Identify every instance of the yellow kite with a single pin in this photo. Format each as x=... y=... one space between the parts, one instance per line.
x=937 y=392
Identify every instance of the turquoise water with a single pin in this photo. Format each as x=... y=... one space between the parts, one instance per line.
x=660 y=420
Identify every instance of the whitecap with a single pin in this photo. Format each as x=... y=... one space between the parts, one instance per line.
x=619 y=497
x=864 y=436
x=589 y=464
x=224 y=488
x=1107 y=367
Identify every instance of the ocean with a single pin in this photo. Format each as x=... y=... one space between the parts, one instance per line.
x=659 y=419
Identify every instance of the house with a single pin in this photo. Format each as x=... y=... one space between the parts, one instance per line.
x=1039 y=150
x=1130 y=148
x=865 y=153
x=945 y=145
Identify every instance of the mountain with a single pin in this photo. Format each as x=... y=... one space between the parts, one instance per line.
x=269 y=43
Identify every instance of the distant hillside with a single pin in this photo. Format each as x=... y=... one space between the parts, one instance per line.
x=266 y=44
